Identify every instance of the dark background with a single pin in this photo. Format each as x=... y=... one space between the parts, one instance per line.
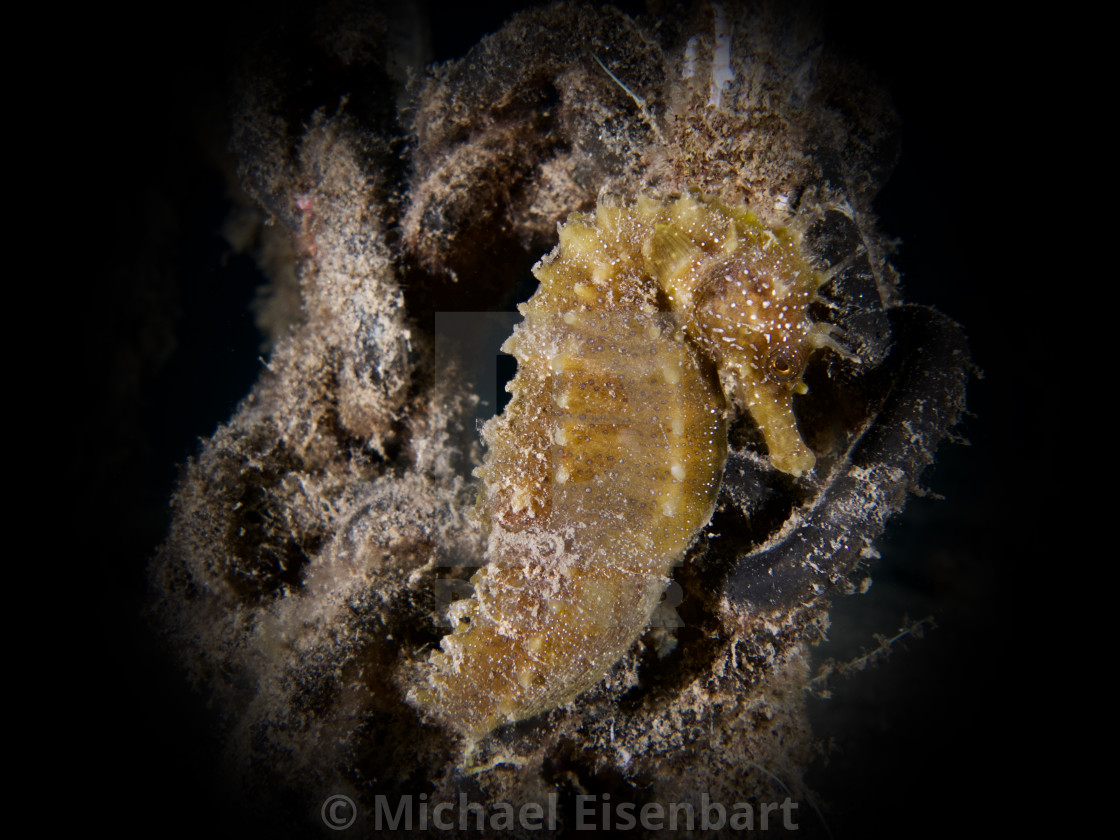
x=930 y=743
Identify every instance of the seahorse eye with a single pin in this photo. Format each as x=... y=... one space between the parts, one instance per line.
x=785 y=366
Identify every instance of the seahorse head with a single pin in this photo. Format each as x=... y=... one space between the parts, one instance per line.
x=742 y=291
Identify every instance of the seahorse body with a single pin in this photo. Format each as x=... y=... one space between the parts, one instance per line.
x=608 y=459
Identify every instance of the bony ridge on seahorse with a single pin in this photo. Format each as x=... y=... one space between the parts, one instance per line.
x=651 y=316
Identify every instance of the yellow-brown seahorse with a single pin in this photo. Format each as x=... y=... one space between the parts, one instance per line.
x=650 y=318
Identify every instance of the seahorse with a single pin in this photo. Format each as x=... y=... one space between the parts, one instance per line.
x=652 y=316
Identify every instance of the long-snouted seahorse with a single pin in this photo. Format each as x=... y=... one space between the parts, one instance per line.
x=608 y=459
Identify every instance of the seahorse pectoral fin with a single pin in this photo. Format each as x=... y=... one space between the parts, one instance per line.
x=670 y=250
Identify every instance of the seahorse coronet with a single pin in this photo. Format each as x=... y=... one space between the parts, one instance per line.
x=653 y=316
